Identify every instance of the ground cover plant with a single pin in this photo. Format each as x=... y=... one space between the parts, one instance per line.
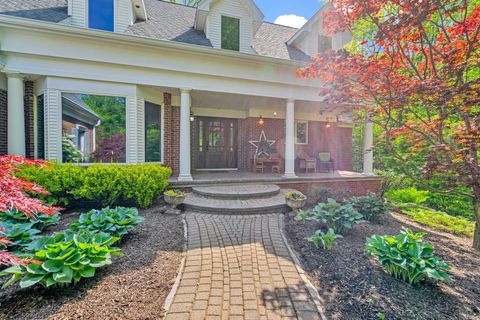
x=63 y=258
x=437 y=219
x=406 y=257
x=113 y=221
x=408 y=195
x=371 y=207
x=326 y=240
x=336 y=216
x=100 y=185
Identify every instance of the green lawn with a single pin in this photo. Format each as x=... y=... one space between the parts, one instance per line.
x=436 y=219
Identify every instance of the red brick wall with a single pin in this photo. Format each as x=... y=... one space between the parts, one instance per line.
x=171 y=141
x=29 y=119
x=355 y=187
x=3 y=122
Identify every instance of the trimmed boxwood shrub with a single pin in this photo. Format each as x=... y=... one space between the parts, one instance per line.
x=100 y=185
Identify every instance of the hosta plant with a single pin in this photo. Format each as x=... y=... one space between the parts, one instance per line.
x=337 y=216
x=39 y=221
x=115 y=222
x=406 y=257
x=20 y=234
x=326 y=240
x=371 y=207
x=62 y=259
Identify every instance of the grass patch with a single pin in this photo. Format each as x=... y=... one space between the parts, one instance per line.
x=437 y=219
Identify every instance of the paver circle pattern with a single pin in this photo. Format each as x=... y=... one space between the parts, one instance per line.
x=239 y=267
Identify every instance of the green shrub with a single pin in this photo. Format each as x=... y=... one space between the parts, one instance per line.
x=115 y=222
x=326 y=240
x=336 y=216
x=453 y=204
x=409 y=195
x=322 y=194
x=371 y=207
x=437 y=219
x=21 y=234
x=407 y=257
x=40 y=221
x=100 y=185
x=392 y=181
x=62 y=259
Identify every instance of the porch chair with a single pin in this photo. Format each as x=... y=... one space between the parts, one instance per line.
x=307 y=163
x=277 y=167
x=258 y=165
x=325 y=161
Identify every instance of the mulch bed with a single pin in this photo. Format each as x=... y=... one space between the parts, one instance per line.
x=135 y=286
x=354 y=286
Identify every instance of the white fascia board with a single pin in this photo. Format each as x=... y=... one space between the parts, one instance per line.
x=126 y=39
x=308 y=26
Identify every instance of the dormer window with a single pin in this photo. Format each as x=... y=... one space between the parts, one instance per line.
x=101 y=14
x=324 y=44
x=230 y=33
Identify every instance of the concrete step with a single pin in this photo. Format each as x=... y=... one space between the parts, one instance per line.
x=204 y=204
x=238 y=192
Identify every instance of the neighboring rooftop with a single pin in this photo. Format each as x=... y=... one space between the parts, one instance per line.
x=43 y=10
x=166 y=21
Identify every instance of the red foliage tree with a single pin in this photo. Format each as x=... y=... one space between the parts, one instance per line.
x=14 y=195
x=416 y=66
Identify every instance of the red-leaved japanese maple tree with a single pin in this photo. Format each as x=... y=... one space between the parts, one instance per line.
x=14 y=195
x=415 y=65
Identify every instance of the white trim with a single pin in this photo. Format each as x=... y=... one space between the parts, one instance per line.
x=296 y=133
x=162 y=120
x=35 y=124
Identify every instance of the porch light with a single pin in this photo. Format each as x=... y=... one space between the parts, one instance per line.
x=261 y=122
x=329 y=124
x=192 y=117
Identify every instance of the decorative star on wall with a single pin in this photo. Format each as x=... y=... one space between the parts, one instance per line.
x=263 y=146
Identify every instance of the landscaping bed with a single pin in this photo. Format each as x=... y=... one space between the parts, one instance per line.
x=133 y=287
x=354 y=286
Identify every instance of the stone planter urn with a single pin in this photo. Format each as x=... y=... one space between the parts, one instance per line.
x=295 y=201
x=174 y=198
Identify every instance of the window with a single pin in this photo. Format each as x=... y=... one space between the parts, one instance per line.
x=324 y=44
x=301 y=132
x=93 y=129
x=101 y=14
x=153 y=132
x=230 y=33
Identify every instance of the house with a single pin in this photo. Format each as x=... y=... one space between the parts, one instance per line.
x=211 y=87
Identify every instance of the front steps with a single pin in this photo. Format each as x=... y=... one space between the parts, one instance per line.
x=237 y=199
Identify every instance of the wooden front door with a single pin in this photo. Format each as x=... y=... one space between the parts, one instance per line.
x=216 y=143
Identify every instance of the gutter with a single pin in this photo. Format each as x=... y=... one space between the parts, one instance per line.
x=35 y=26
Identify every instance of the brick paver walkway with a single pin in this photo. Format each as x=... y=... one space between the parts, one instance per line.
x=238 y=267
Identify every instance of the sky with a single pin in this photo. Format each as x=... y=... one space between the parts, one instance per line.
x=288 y=12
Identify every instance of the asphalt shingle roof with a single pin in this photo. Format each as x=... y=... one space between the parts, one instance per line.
x=44 y=10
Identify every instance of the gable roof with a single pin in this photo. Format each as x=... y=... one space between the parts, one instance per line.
x=44 y=10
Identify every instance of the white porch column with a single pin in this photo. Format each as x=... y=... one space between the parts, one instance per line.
x=185 y=160
x=16 y=115
x=368 y=146
x=290 y=140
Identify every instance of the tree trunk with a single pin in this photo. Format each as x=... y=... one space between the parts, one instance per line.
x=476 y=234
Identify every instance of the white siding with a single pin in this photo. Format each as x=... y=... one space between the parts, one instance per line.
x=231 y=8
x=123 y=15
x=53 y=124
x=135 y=148
x=79 y=13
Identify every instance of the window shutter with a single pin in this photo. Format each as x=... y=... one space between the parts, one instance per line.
x=75 y=139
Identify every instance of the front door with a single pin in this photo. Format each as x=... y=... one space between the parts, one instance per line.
x=216 y=143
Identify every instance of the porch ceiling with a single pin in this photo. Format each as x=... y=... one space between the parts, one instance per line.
x=222 y=101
